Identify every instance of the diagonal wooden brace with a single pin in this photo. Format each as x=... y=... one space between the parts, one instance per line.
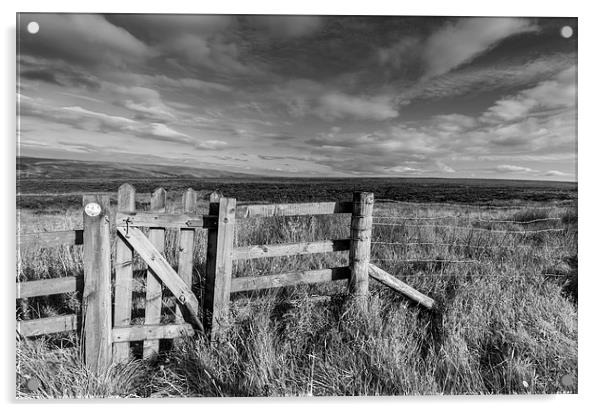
x=162 y=269
x=391 y=281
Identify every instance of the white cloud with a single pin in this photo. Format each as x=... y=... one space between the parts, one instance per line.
x=514 y=169
x=555 y=173
x=497 y=77
x=144 y=102
x=339 y=105
x=453 y=45
x=461 y=42
x=161 y=130
x=405 y=170
x=557 y=93
x=211 y=144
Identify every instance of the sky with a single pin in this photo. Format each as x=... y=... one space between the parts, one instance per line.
x=303 y=95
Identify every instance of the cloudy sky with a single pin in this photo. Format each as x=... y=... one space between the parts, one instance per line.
x=303 y=95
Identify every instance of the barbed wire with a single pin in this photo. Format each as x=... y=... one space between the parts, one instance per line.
x=428 y=260
x=458 y=245
x=448 y=275
x=477 y=229
x=473 y=205
x=465 y=217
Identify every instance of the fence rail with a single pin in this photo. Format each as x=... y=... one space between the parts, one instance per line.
x=46 y=287
x=47 y=326
x=293 y=209
x=51 y=239
x=290 y=249
x=249 y=283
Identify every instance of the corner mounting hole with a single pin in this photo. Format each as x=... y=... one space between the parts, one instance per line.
x=566 y=32
x=33 y=27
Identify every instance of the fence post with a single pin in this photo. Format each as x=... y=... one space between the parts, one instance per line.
x=359 y=251
x=219 y=266
x=124 y=255
x=96 y=305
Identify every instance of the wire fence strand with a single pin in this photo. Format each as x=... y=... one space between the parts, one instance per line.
x=469 y=220
x=480 y=206
x=476 y=229
x=457 y=245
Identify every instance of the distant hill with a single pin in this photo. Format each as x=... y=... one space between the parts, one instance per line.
x=39 y=168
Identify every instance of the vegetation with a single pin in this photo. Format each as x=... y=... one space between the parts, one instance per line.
x=506 y=320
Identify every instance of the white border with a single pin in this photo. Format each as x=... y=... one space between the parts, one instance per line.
x=589 y=190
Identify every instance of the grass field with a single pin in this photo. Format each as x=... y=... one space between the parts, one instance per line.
x=506 y=320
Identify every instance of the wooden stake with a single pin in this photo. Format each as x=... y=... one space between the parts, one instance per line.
x=219 y=267
x=359 y=251
x=97 y=283
x=152 y=314
x=126 y=202
x=399 y=286
x=186 y=250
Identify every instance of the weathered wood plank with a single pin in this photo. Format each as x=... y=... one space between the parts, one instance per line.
x=289 y=249
x=399 y=286
x=151 y=332
x=46 y=287
x=359 y=251
x=219 y=267
x=289 y=279
x=126 y=201
x=97 y=283
x=51 y=239
x=293 y=209
x=186 y=249
x=46 y=326
x=154 y=292
x=160 y=266
x=165 y=220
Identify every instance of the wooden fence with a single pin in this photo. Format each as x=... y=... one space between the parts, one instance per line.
x=105 y=323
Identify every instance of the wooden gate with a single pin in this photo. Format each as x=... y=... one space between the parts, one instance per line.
x=108 y=340
x=131 y=240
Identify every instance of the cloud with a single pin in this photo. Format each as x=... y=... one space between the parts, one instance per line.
x=81 y=118
x=555 y=173
x=146 y=103
x=491 y=78
x=339 y=105
x=405 y=170
x=557 y=93
x=443 y=167
x=82 y=38
x=514 y=169
x=452 y=45
x=401 y=53
x=454 y=123
x=459 y=43
x=214 y=53
x=190 y=83
x=42 y=75
x=287 y=26
x=161 y=130
x=159 y=26
x=211 y=144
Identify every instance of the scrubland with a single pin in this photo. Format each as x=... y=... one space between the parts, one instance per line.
x=505 y=320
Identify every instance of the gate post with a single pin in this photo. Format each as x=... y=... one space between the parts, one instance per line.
x=96 y=305
x=359 y=250
x=219 y=266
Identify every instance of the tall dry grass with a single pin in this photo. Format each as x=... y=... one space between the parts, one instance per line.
x=506 y=320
